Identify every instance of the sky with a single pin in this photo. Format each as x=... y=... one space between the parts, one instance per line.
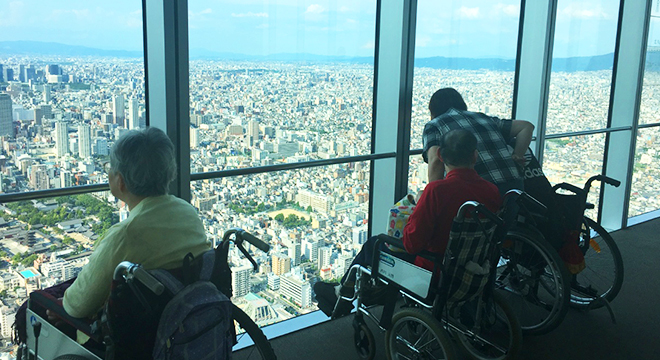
x=451 y=28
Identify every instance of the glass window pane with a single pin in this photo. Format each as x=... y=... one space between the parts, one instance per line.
x=292 y=83
x=574 y=160
x=644 y=190
x=649 y=107
x=71 y=81
x=467 y=45
x=314 y=219
x=583 y=55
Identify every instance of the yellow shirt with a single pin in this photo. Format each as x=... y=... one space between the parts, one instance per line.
x=158 y=233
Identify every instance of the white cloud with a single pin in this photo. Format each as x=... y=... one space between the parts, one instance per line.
x=263 y=26
x=206 y=11
x=314 y=9
x=344 y=9
x=583 y=11
x=249 y=14
x=369 y=45
x=510 y=10
x=467 y=13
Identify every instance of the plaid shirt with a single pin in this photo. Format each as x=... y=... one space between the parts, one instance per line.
x=494 y=163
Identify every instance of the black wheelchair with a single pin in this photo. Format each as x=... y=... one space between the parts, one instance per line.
x=126 y=327
x=454 y=301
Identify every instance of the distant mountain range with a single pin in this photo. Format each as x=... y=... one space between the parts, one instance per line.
x=585 y=63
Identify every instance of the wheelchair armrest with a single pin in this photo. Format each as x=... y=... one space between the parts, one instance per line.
x=49 y=302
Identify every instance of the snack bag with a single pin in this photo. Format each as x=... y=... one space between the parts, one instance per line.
x=399 y=215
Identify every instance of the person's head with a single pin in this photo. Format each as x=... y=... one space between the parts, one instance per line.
x=458 y=149
x=445 y=99
x=145 y=161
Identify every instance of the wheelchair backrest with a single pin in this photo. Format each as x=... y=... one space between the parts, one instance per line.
x=467 y=262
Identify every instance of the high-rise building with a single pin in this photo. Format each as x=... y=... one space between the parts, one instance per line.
x=118 y=110
x=240 y=279
x=253 y=130
x=84 y=141
x=47 y=95
x=39 y=177
x=47 y=111
x=360 y=236
x=65 y=178
x=7 y=316
x=133 y=114
x=101 y=146
x=8 y=74
x=281 y=264
x=6 y=121
x=2 y=73
x=21 y=73
x=298 y=290
x=325 y=254
x=61 y=138
x=30 y=73
x=53 y=69
x=295 y=251
x=194 y=137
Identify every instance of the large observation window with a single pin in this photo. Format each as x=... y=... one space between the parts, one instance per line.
x=315 y=220
x=649 y=109
x=644 y=194
x=71 y=82
x=583 y=57
x=292 y=83
x=467 y=45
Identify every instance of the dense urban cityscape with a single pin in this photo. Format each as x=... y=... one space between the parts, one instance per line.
x=59 y=116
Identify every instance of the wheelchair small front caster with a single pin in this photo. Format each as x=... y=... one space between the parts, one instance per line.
x=363 y=339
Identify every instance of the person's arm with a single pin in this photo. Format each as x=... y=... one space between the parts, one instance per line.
x=421 y=225
x=523 y=131
x=436 y=169
x=91 y=288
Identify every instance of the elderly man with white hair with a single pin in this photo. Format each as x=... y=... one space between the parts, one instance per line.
x=159 y=231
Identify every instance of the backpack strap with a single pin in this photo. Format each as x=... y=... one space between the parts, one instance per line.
x=167 y=279
x=208 y=262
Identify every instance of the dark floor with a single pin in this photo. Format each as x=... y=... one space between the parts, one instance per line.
x=592 y=335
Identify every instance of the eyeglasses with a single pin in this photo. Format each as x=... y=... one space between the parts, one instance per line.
x=106 y=167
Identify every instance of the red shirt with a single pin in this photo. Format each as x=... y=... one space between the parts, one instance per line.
x=429 y=225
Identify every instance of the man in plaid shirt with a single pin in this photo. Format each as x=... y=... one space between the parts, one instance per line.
x=496 y=162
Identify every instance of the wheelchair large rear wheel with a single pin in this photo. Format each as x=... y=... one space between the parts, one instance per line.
x=534 y=280
x=416 y=334
x=602 y=277
x=497 y=336
x=245 y=326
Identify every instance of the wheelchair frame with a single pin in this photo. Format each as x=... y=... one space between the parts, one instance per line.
x=59 y=345
x=432 y=300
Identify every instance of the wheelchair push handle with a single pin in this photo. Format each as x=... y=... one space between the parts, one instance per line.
x=255 y=241
x=127 y=270
x=239 y=236
x=608 y=180
x=478 y=209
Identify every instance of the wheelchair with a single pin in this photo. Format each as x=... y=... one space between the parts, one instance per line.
x=544 y=244
x=126 y=327
x=455 y=302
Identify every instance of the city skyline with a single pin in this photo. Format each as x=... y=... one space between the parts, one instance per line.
x=328 y=28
